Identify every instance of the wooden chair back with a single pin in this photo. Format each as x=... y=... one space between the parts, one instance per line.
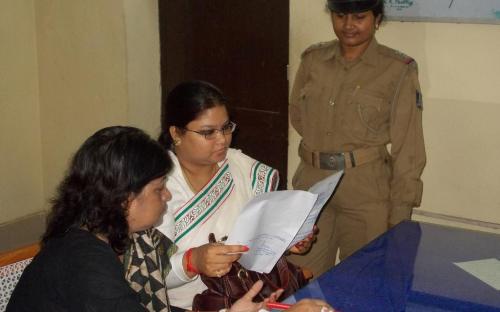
x=16 y=255
x=12 y=265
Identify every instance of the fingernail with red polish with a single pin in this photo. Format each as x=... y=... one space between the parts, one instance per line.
x=246 y=248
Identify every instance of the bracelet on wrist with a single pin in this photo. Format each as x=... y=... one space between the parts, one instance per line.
x=189 y=265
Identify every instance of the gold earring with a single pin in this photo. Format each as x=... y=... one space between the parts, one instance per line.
x=177 y=142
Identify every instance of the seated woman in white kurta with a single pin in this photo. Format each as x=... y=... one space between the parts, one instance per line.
x=211 y=210
x=210 y=183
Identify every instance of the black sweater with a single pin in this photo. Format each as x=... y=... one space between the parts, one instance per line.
x=76 y=272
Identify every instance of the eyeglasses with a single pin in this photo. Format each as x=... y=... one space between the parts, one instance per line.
x=211 y=134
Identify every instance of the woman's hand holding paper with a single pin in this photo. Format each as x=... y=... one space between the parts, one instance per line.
x=215 y=259
x=304 y=245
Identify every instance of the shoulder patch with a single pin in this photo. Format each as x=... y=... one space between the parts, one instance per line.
x=318 y=46
x=418 y=100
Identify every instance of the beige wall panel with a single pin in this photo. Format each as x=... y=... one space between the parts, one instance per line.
x=67 y=68
x=20 y=149
x=143 y=64
x=459 y=77
x=461 y=178
x=83 y=71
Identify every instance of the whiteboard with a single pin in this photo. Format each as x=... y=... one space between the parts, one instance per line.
x=455 y=11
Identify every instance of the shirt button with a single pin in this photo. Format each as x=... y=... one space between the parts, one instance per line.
x=328 y=133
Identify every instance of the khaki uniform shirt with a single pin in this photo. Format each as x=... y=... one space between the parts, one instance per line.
x=339 y=106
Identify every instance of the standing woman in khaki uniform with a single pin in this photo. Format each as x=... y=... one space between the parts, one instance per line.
x=351 y=98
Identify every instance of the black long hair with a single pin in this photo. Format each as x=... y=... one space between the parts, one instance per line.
x=185 y=103
x=111 y=165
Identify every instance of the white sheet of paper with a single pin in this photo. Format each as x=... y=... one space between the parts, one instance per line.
x=271 y=223
x=267 y=225
x=324 y=189
x=487 y=270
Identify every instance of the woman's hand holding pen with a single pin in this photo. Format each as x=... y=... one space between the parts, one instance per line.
x=246 y=304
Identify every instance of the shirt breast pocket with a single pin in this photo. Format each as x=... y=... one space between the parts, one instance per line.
x=373 y=111
x=310 y=105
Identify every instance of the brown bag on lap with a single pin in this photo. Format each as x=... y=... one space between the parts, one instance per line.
x=223 y=291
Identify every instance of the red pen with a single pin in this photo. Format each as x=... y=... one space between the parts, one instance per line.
x=278 y=305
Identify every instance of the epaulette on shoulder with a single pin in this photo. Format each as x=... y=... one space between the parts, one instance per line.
x=317 y=46
x=400 y=56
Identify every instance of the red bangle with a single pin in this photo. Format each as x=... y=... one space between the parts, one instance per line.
x=190 y=267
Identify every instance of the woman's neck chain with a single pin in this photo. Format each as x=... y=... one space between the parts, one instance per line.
x=191 y=185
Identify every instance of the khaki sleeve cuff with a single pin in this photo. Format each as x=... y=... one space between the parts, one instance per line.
x=400 y=213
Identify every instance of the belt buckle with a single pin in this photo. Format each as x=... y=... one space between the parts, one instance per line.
x=331 y=161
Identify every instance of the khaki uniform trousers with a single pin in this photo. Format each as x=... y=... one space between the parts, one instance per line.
x=357 y=213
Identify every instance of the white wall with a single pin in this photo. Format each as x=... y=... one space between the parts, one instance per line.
x=83 y=85
x=21 y=187
x=459 y=70
x=143 y=64
x=68 y=68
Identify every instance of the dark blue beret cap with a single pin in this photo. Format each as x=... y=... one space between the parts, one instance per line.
x=352 y=6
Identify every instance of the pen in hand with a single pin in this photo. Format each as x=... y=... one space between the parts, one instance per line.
x=278 y=305
x=285 y=306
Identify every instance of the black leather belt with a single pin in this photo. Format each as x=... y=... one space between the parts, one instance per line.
x=343 y=160
x=334 y=161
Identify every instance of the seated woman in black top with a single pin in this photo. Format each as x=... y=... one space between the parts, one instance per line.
x=115 y=186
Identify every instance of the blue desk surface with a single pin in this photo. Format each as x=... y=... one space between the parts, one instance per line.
x=411 y=268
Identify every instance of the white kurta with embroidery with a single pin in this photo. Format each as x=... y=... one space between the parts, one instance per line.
x=190 y=217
